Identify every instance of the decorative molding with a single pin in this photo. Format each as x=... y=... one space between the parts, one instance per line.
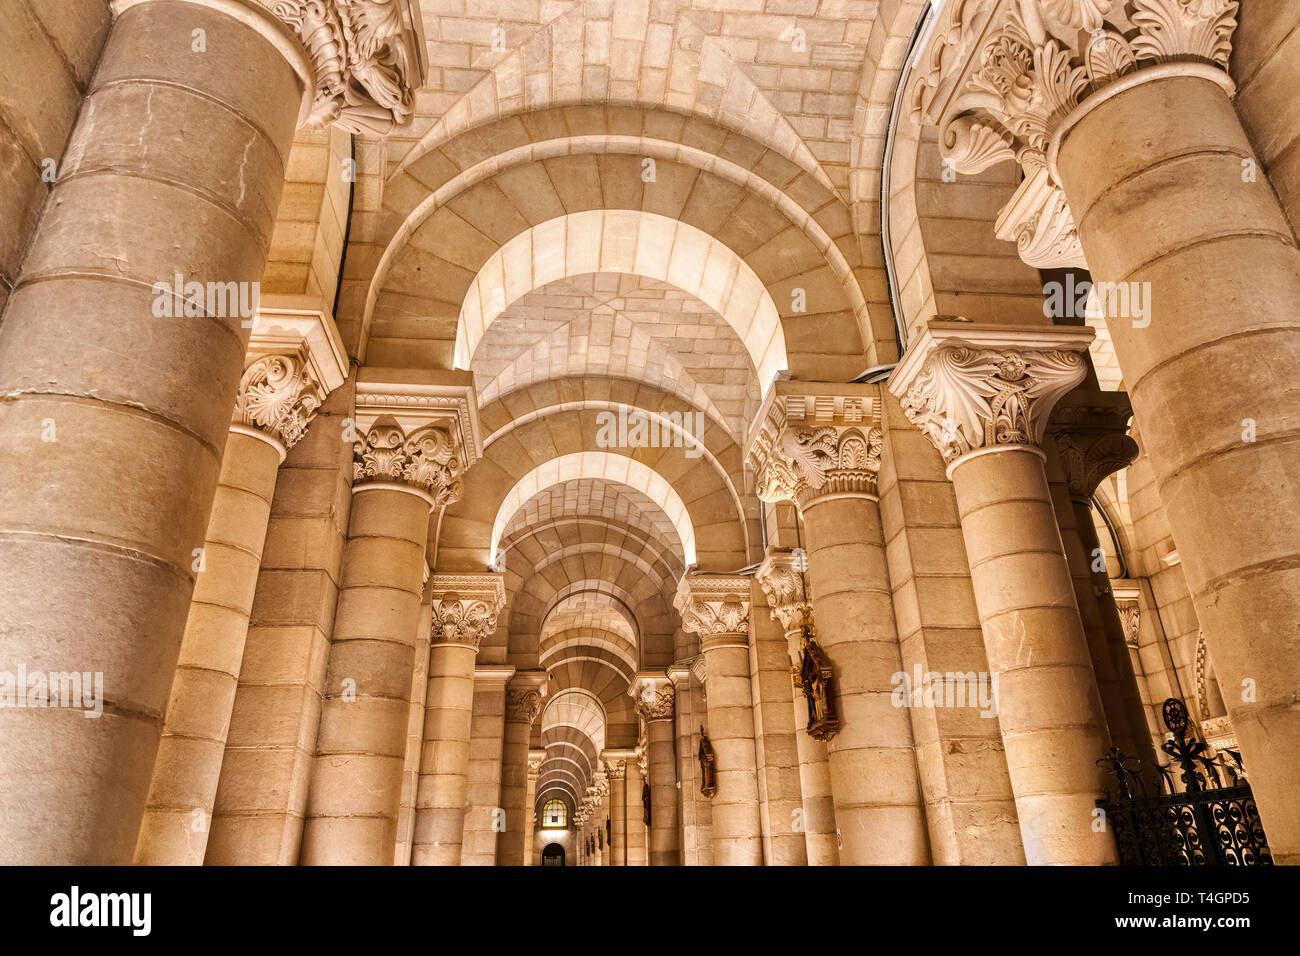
x=277 y=395
x=713 y=605
x=465 y=607
x=780 y=576
x=1007 y=77
x=523 y=706
x=970 y=387
x=367 y=55
x=811 y=439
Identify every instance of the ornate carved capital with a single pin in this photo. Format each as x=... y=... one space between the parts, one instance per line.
x=617 y=769
x=654 y=696
x=713 y=605
x=1004 y=76
x=367 y=55
x=523 y=706
x=295 y=359
x=1130 y=616
x=781 y=578
x=811 y=439
x=970 y=387
x=1091 y=435
x=416 y=429
x=465 y=607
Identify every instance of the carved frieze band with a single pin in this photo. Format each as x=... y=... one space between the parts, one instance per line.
x=1003 y=75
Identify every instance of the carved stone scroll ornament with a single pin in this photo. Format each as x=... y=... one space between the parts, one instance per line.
x=279 y=396
x=428 y=459
x=805 y=462
x=367 y=59
x=1003 y=76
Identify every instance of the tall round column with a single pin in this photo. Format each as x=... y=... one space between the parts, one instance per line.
x=465 y=609
x=717 y=609
x=619 y=813
x=654 y=693
x=637 y=834
x=983 y=396
x=523 y=704
x=117 y=401
x=821 y=449
x=357 y=773
x=177 y=817
x=780 y=576
x=1169 y=197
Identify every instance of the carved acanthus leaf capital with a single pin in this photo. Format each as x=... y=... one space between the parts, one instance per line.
x=782 y=580
x=713 y=605
x=811 y=439
x=1091 y=435
x=1130 y=616
x=523 y=706
x=465 y=607
x=278 y=396
x=654 y=696
x=367 y=56
x=1003 y=76
x=416 y=429
x=969 y=387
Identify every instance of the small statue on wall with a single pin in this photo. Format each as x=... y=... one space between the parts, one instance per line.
x=815 y=679
x=708 y=772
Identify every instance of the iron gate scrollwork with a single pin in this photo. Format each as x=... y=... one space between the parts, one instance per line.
x=1212 y=821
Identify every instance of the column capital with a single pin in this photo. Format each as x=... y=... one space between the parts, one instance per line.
x=815 y=438
x=535 y=758
x=524 y=695
x=1091 y=435
x=465 y=607
x=295 y=359
x=1007 y=79
x=781 y=578
x=653 y=693
x=713 y=605
x=416 y=430
x=617 y=760
x=975 y=388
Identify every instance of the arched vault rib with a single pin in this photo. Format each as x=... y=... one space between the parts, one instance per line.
x=633 y=243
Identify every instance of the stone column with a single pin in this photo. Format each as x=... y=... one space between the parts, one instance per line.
x=620 y=809
x=983 y=395
x=413 y=442
x=1090 y=432
x=293 y=363
x=535 y=758
x=483 y=811
x=118 y=389
x=654 y=703
x=638 y=835
x=717 y=609
x=781 y=577
x=818 y=445
x=1144 y=132
x=690 y=716
x=465 y=609
x=523 y=703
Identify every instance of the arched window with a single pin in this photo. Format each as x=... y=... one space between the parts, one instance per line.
x=555 y=813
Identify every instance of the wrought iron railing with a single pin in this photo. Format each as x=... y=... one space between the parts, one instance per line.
x=1212 y=821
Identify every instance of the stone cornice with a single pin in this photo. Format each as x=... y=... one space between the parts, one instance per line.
x=712 y=605
x=1007 y=78
x=815 y=438
x=416 y=428
x=465 y=607
x=974 y=387
x=781 y=578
